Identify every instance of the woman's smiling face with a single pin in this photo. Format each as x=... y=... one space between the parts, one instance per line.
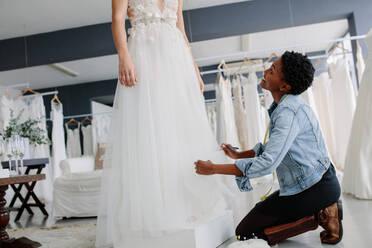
x=273 y=77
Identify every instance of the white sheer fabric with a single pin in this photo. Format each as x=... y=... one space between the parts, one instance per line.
x=32 y=107
x=87 y=140
x=344 y=107
x=358 y=169
x=5 y=104
x=226 y=127
x=158 y=130
x=254 y=111
x=324 y=102
x=240 y=115
x=360 y=65
x=308 y=96
x=212 y=116
x=58 y=138
x=73 y=146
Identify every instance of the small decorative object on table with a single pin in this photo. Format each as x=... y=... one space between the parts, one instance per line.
x=19 y=136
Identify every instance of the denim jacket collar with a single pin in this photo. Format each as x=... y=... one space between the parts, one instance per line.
x=274 y=105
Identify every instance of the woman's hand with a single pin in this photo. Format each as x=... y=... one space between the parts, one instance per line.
x=229 y=152
x=204 y=167
x=127 y=72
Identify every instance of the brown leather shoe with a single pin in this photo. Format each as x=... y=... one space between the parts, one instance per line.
x=330 y=219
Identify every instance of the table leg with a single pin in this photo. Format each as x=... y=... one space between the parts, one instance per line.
x=17 y=193
x=4 y=214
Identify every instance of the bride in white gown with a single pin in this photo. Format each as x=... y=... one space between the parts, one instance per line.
x=159 y=128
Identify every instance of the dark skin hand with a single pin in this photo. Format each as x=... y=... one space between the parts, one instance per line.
x=273 y=81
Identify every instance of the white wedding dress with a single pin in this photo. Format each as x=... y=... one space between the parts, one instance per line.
x=159 y=129
x=58 y=139
x=358 y=170
x=73 y=147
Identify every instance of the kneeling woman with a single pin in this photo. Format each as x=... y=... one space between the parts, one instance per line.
x=295 y=149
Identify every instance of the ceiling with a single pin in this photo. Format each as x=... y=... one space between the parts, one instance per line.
x=20 y=18
x=26 y=17
x=105 y=67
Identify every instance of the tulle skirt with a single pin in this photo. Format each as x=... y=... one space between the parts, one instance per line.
x=159 y=129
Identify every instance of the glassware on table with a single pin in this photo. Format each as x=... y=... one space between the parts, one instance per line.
x=9 y=154
x=21 y=153
x=2 y=148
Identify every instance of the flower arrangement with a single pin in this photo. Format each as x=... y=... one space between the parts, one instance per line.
x=28 y=129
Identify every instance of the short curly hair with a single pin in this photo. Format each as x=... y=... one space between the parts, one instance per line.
x=298 y=71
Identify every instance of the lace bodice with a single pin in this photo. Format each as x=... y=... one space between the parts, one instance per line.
x=152 y=11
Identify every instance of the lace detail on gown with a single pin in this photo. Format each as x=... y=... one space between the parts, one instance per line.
x=143 y=13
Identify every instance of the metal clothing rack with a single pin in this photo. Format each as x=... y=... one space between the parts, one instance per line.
x=238 y=55
x=83 y=115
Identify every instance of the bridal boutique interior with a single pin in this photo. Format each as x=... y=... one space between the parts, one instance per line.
x=58 y=75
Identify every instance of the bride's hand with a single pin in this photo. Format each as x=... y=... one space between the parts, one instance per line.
x=127 y=72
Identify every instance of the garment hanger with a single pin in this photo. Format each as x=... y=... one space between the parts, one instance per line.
x=318 y=63
x=28 y=89
x=87 y=118
x=55 y=99
x=273 y=55
x=72 y=120
x=245 y=60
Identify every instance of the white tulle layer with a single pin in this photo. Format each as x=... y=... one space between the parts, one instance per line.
x=159 y=128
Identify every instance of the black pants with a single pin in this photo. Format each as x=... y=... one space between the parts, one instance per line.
x=276 y=210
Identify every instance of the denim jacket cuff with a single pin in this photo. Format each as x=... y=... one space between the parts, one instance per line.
x=258 y=149
x=243 y=183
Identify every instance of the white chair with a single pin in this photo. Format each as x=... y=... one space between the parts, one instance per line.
x=77 y=192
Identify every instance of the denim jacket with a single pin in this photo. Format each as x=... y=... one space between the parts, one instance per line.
x=295 y=149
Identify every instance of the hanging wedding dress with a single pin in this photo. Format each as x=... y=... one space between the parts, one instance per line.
x=159 y=128
x=358 y=169
x=344 y=107
x=255 y=119
x=324 y=102
x=87 y=140
x=240 y=115
x=58 y=138
x=211 y=113
x=308 y=96
x=226 y=127
x=5 y=103
x=73 y=146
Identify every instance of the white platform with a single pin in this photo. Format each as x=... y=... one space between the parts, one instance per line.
x=209 y=234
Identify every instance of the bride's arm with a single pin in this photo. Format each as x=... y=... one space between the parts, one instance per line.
x=181 y=26
x=127 y=71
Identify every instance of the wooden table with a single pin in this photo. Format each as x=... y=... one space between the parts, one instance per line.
x=4 y=183
x=31 y=165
